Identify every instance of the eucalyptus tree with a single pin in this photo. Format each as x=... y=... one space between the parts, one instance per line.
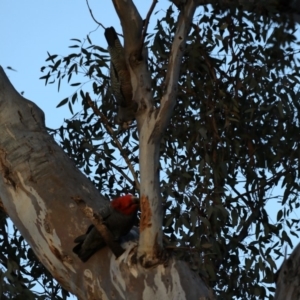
x=215 y=92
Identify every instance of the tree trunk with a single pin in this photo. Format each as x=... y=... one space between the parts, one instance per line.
x=287 y=283
x=38 y=183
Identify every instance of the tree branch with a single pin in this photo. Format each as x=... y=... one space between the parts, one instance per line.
x=168 y=100
x=119 y=169
x=136 y=57
x=154 y=2
x=150 y=126
x=92 y=15
x=132 y=24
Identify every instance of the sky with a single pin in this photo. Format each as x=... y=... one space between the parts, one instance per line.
x=30 y=29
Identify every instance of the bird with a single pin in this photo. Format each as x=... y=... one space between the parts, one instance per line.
x=119 y=216
x=120 y=79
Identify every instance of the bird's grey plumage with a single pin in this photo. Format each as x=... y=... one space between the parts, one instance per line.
x=120 y=78
x=117 y=223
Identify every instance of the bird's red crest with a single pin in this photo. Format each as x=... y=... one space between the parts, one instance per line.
x=125 y=204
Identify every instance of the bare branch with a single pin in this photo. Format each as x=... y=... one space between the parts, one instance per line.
x=147 y=21
x=131 y=22
x=136 y=57
x=168 y=100
x=91 y=13
x=151 y=127
x=119 y=169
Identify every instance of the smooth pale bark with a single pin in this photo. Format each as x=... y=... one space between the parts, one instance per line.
x=287 y=285
x=150 y=251
x=152 y=122
x=37 y=184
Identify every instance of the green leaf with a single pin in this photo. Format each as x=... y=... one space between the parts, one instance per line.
x=286 y=238
x=74 y=98
x=70 y=108
x=279 y=215
x=76 y=40
x=51 y=57
x=61 y=103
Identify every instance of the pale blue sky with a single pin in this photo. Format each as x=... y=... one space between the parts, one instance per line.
x=31 y=28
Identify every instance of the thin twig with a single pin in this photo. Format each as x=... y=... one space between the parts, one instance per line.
x=91 y=12
x=267 y=186
x=147 y=21
x=112 y=134
x=122 y=172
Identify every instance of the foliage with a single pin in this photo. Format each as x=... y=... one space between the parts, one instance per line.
x=22 y=276
x=231 y=141
x=232 y=147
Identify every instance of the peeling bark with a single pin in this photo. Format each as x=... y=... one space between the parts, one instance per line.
x=38 y=183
